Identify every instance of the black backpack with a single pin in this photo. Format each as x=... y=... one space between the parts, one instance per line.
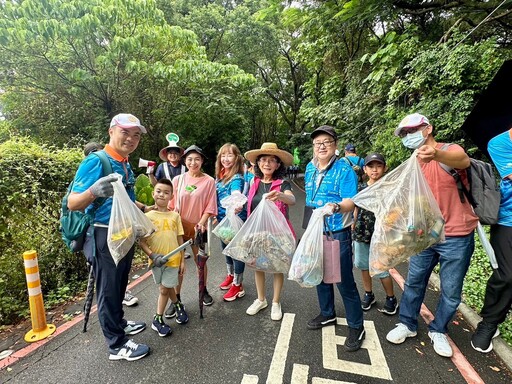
x=484 y=191
x=74 y=224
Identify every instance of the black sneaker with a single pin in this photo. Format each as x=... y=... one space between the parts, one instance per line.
x=207 y=299
x=321 y=321
x=355 y=339
x=181 y=315
x=481 y=340
x=129 y=351
x=367 y=301
x=160 y=327
x=390 y=307
x=170 y=312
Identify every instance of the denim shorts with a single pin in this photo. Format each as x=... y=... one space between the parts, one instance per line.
x=166 y=276
x=362 y=258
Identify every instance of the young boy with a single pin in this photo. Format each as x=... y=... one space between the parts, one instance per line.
x=374 y=167
x=169 y=236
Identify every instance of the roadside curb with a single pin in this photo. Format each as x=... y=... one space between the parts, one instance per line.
x=502 y=349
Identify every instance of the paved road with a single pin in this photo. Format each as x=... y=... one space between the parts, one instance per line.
x=227 y=346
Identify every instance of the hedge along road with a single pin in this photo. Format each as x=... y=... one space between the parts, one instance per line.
x=228 y=346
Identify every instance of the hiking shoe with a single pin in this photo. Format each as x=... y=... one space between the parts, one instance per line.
x=367 y=301
x=256 y=306
x=129 y=351
x=399 y=334
x=181 y=315
x=481 y=340
x=129 y=300
x=276 y=314
x=170 y=312
x=390 y=307
x=160 y=327
x=234 y=292
x=441 y=344
x=134 y=327
x=207 y=299
x=226 y=284
x=321 y=321
x=355 y=338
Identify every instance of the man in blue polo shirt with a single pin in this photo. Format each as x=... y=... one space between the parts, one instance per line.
x=330 y=181
x=498 y=293
x=111 y=281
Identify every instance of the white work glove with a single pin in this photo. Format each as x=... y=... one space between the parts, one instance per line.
x=103 y=187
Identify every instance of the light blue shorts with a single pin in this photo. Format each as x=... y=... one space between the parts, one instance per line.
x=166 y=276
x=362 y=258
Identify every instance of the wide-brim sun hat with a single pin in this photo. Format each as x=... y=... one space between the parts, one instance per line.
x=195 y=148
x=164 y=151
x=173 y=139
x=270 y=149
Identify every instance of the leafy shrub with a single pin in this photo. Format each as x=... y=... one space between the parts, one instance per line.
x=33 y=180
x=144 y=190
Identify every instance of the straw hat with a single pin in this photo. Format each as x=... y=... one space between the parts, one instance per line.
x=272 y=150
x=173 y=139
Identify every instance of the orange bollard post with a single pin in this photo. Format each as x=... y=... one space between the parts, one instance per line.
x=40 y=330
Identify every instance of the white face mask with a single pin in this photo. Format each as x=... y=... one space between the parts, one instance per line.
x=414 y=140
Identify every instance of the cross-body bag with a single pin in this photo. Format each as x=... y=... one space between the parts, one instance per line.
x=332 y=262
x=309 y=210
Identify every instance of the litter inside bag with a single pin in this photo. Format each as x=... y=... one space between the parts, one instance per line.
x=265 y=241
x=231 y=223
x=127 y=223
x=307 y=264
x=407 y=217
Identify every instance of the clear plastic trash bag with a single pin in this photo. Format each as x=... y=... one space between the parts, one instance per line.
x=407 y=217
x=265 y=241
x=127 y=223
x=231 y=223
x=307 y=265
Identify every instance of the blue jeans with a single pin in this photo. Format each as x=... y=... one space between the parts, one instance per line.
x=454 y=256
x=347 y=287
x=239 y=266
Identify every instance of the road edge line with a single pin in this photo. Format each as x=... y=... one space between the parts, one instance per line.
x=25 y=351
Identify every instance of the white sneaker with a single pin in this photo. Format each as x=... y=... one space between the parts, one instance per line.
x=276 y=313
x=441 y=344
x=256 y=307
x=129 y=299
x=399 y=334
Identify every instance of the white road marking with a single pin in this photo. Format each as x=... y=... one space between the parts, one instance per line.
x=300 y=374
x=378 y=367
x=319 y=380
x=276 y=370
x=250 y=379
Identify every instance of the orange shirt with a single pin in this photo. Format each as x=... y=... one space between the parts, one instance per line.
x=459 y=217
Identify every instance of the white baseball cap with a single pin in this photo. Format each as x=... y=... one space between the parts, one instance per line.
x=409 y=121
x=126 y=120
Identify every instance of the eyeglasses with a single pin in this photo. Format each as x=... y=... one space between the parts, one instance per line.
x=325 y=143
x=270 y=160
x=404 y=132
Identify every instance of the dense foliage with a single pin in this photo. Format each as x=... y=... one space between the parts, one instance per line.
x=33 y=178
